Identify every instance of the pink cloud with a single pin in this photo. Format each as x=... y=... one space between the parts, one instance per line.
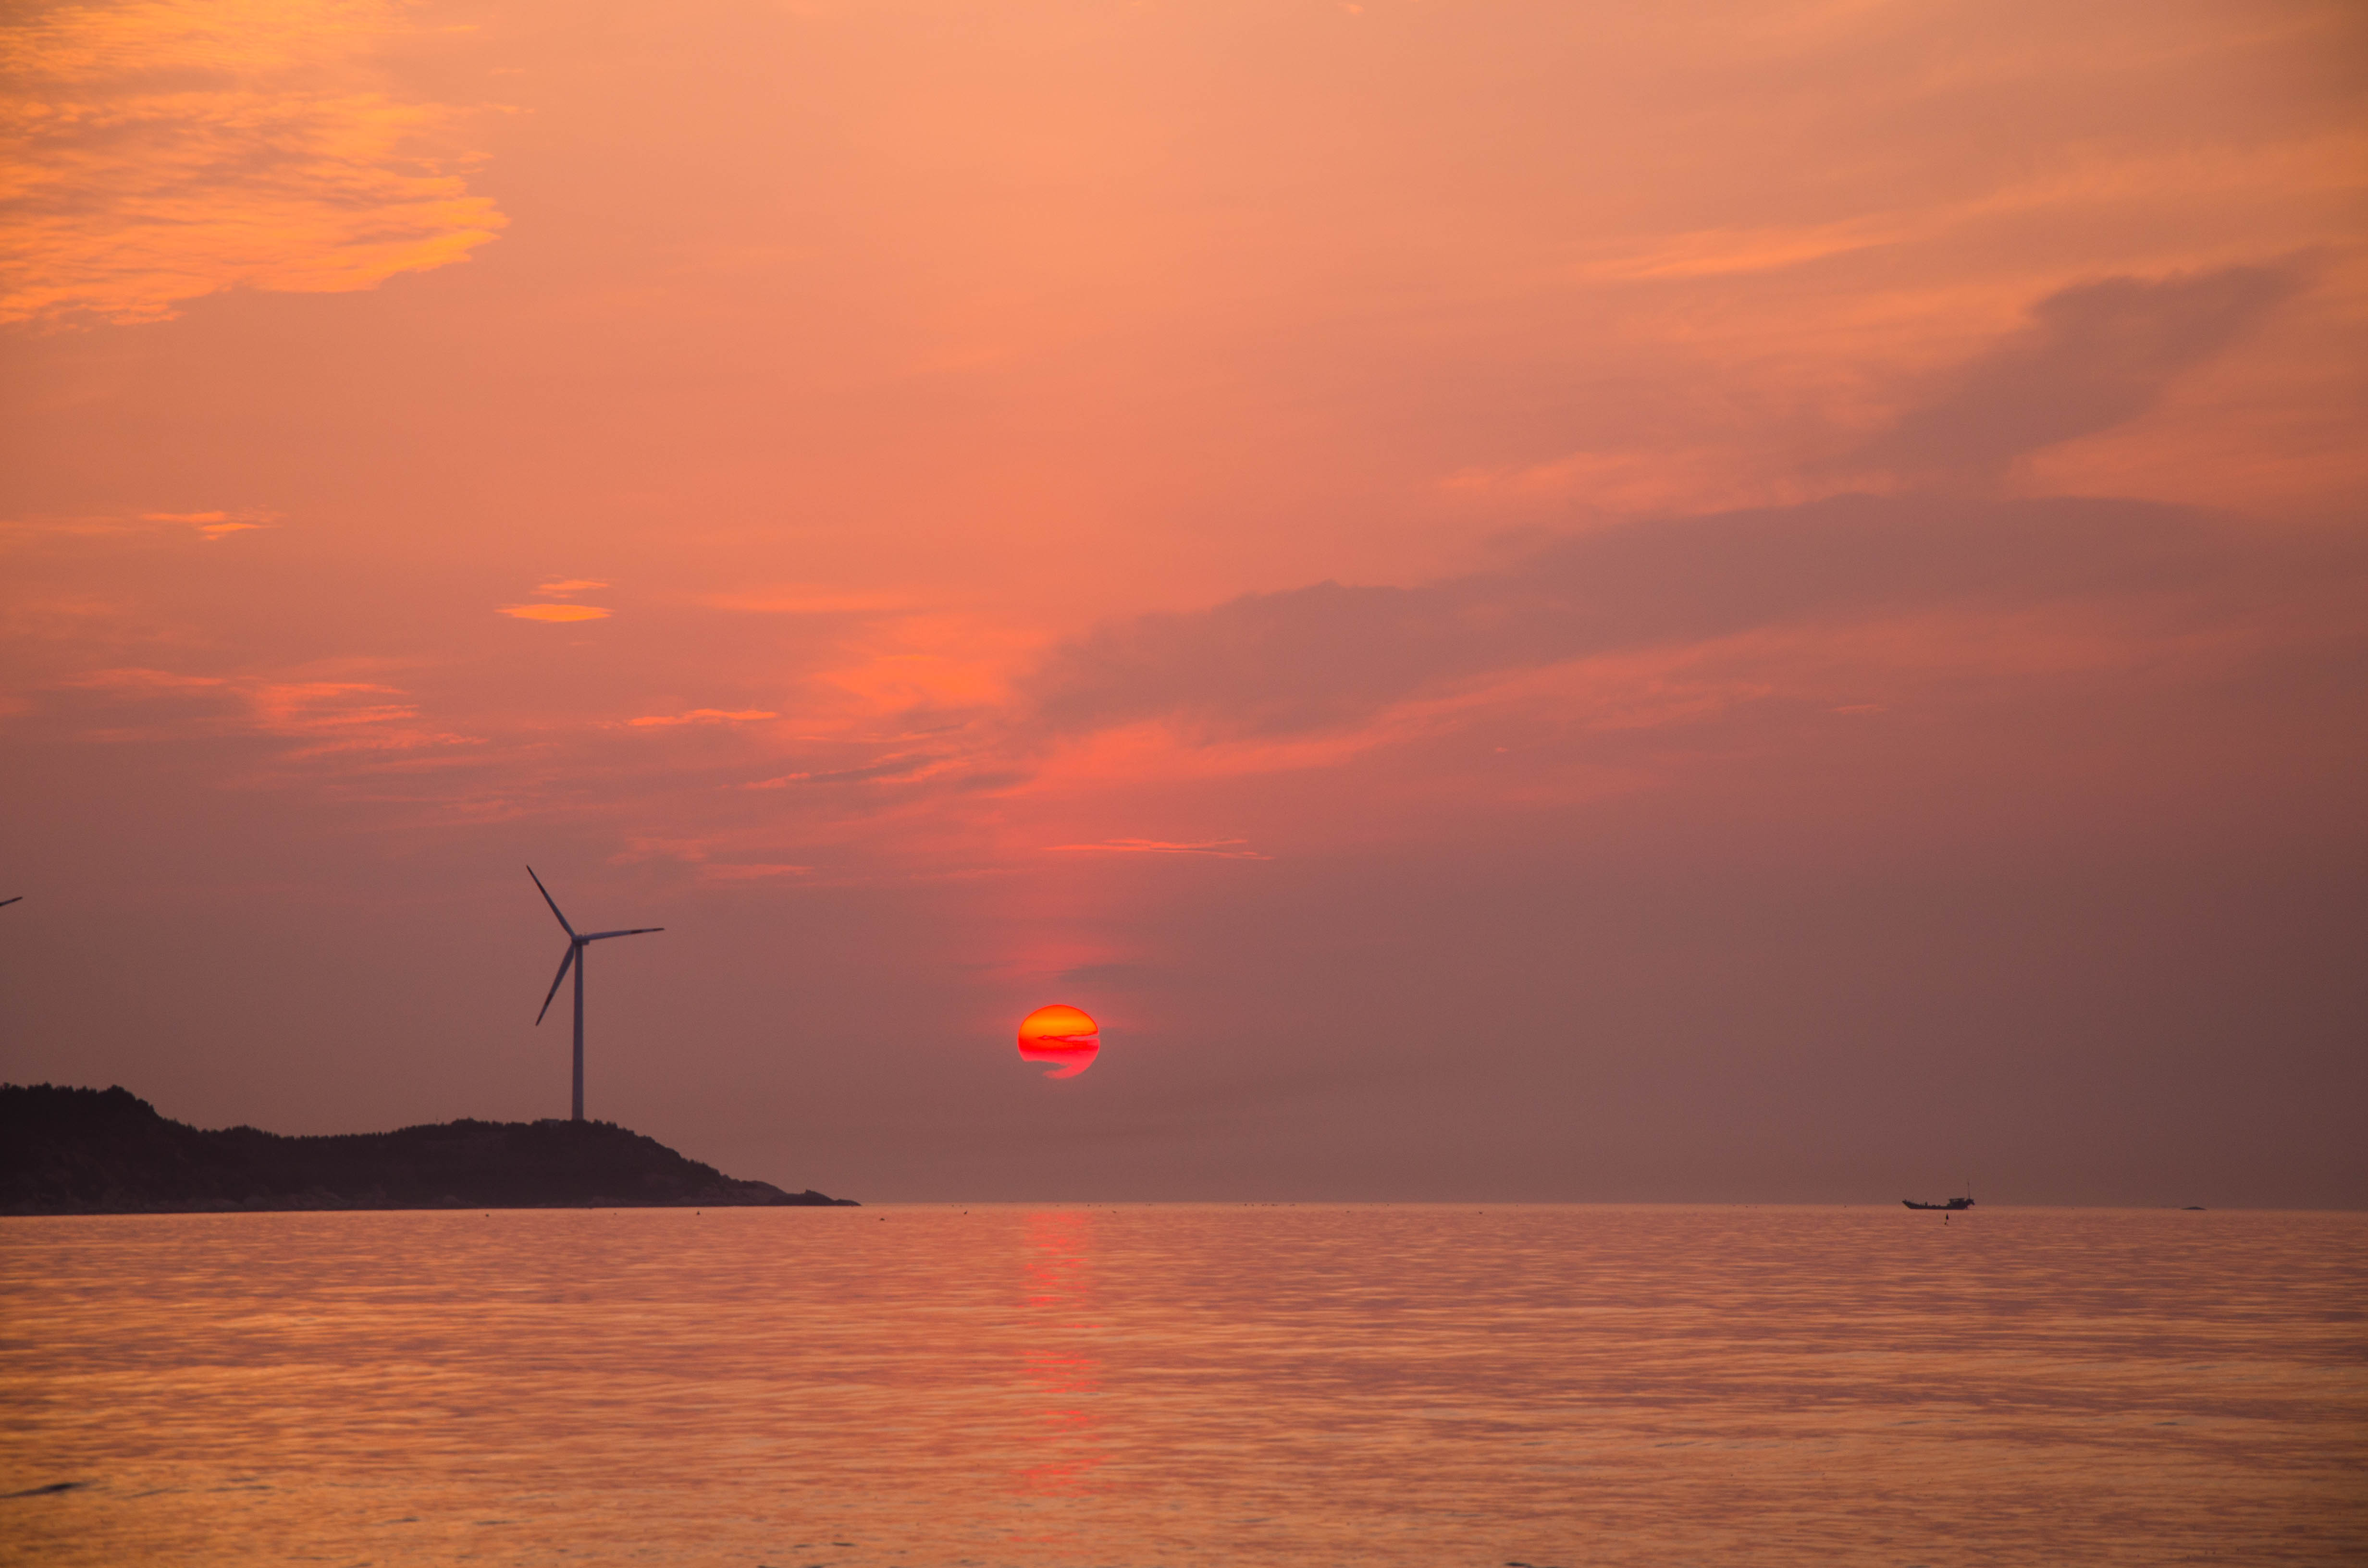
x=214 y=525
x=703 y=716
x=167 y=154
x=557 y=614
x=1216 y=848
x=714 y=872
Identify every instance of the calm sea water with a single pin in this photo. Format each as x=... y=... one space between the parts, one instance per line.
x=1139 y=1385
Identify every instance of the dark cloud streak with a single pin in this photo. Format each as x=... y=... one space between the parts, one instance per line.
x=2095 y=356
x=1278 y=664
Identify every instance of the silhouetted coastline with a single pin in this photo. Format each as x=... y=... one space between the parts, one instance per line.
x=72 y=1151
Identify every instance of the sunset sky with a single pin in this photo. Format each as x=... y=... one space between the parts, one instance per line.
x=1537 y=599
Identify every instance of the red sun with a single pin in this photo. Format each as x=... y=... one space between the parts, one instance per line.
x=1060 y=1034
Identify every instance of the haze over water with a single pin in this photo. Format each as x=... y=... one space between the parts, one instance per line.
x=1142 y=1385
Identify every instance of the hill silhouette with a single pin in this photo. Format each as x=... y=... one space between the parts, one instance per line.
x=68 y=1151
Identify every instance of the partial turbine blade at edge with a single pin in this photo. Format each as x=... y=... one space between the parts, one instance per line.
x=556 y=979
x=551 y=901
x=636 y=931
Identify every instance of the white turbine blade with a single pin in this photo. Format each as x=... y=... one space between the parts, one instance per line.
x=555 y=979
x=551 y=901
x=636 y=931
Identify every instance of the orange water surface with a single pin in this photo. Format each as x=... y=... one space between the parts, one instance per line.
x=1181 y=1385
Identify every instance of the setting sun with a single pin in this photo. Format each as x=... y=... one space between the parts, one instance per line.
x=1060 y=1034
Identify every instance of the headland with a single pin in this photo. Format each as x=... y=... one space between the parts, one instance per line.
x=69 y=1150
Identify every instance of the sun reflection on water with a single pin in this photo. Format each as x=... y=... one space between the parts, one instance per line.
x=1061 y=1377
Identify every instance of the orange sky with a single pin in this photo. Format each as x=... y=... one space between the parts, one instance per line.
x=1525 y=600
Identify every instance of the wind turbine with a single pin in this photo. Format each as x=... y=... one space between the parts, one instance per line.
x=575 y=946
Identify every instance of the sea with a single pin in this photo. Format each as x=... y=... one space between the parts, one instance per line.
x=1497 y=1386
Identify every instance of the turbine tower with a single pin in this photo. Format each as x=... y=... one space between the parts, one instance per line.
x=575 y=946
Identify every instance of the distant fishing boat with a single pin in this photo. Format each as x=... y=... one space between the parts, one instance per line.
x=1951 y=1207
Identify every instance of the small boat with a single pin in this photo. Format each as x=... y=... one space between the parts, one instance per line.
x=1954 y=1204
